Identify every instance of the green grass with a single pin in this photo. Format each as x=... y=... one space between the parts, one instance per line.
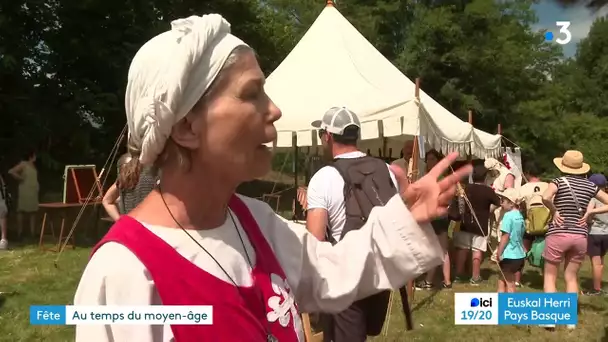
x=31 y=273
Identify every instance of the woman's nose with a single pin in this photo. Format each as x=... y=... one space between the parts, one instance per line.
x=274 y=113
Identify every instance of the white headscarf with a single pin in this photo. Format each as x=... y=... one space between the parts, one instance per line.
x=497 y=181
x=169 y=75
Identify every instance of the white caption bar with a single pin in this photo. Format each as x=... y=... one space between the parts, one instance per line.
x=133 y=315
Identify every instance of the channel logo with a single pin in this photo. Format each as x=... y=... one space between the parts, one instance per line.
x=476 y=308
x=481 y=302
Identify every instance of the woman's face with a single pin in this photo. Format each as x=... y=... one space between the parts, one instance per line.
x=506 y=204
x=431 y=161
x=233 y=124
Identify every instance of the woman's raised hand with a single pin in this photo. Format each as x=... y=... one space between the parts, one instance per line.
x=428 y=198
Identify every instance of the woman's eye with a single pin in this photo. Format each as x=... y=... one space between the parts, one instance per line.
x=251 y=94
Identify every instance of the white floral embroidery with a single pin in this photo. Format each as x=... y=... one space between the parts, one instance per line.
x=282 y=305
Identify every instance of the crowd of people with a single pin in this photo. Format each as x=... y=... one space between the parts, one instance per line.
x=564 y=220
x=197 y=112
x=566 y=217
x=199 y=121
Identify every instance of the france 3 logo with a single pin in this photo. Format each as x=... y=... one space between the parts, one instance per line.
x=475 y=308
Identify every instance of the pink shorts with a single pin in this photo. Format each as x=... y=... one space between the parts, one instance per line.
x=572 y=247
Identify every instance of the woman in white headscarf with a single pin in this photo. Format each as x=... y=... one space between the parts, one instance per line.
x=196 y=108
x=499 y=176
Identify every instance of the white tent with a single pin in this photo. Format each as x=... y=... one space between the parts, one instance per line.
x=334 y=65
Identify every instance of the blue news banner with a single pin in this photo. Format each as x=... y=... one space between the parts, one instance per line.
x=515 y=308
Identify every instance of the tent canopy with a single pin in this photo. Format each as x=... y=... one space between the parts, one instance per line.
x=334 y=65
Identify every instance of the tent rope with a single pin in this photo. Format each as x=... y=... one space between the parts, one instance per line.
x=109 y=162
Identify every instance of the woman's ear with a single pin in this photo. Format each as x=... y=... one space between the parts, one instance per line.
x=186 y=132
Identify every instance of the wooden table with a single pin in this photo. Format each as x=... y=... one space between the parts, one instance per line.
x=61 y=209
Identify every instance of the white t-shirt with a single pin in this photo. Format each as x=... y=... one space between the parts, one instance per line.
x=326 y=191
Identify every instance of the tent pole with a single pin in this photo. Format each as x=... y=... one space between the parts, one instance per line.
x=469 y=263
x=384 y=147
x=470 y=157
x=297 y=213
x=416 y=153
x=407 y=296
x=499 y=130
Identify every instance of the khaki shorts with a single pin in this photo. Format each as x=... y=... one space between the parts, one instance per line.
x=466 y=240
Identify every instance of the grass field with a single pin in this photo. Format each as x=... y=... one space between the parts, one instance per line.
x=33 y=278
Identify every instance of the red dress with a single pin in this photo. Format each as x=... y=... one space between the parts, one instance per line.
x=245 y=314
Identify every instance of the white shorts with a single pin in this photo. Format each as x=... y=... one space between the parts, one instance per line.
x=466 y=240
x=3 y=209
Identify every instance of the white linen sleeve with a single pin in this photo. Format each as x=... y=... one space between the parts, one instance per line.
x=114 y=276
x=389 y=250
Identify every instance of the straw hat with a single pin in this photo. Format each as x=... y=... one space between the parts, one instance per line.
x=572 y=163
x=511 y=194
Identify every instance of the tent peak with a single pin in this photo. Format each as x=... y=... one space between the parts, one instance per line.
x=329 y=3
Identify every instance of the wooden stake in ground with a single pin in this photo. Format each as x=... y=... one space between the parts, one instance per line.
x=407 y=292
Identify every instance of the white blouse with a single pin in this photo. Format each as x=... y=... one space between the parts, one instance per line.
x=390 y=249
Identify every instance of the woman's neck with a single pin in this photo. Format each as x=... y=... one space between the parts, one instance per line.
x=187 y=200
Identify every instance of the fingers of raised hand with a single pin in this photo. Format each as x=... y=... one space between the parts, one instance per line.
x=445 y=197
x=452 y=179
x=443 y=165
x=441 y=211
x=400 y=177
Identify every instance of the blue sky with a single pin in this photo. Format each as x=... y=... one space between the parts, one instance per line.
x=580 y=17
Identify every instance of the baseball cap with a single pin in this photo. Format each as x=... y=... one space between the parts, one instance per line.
x=336 y=119
x=598 y=179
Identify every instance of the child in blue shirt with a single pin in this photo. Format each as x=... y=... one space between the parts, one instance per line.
x=511 y=250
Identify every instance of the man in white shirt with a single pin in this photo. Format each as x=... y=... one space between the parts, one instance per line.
x=532 y=194
x=327 y=217
x=325 y=195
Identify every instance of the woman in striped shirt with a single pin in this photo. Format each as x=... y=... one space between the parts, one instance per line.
x=568 y=197
x=134 y=183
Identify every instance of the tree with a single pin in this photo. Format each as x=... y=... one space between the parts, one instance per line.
x=592 y=4
x=64 y=66
x=482 y=56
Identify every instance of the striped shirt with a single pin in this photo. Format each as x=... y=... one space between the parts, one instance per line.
x=566 y=204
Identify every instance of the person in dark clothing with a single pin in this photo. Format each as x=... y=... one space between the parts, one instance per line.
x=440 y=226
x=473 y=234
